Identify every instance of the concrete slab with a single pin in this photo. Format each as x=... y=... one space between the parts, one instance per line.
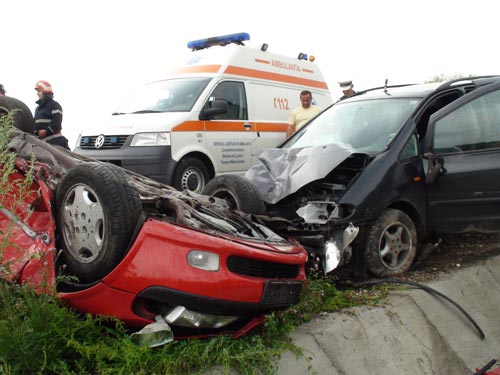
x=413 y=333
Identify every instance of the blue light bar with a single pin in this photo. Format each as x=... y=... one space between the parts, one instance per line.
x=218 y=41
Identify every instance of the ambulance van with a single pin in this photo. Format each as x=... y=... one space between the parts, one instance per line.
x=213 y=115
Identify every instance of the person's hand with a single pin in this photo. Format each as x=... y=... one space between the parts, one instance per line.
x=42 y=133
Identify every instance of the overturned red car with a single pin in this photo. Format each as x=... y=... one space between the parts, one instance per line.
x=111 y=242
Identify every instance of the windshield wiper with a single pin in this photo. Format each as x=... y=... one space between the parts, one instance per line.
x=146 y=111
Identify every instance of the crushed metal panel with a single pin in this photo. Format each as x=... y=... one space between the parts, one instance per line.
x=282 y=171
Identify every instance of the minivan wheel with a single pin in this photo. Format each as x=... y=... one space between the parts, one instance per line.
x=191 y=174
x=391 y=244
x=238 y=193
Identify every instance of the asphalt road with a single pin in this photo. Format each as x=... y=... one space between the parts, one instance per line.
x=413 y=333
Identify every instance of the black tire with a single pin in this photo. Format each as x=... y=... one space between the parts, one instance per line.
x=191 y=174
x=97 y=211
x=238 y=192
x=133 y=199
x=391 y=245
x=23 y=118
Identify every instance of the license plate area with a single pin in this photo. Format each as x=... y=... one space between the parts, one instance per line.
x=281 y=293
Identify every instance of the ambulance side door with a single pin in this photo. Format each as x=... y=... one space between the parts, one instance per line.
x=229 y=136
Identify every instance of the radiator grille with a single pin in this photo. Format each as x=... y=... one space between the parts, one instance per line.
x=257 y=268
x=110 y=141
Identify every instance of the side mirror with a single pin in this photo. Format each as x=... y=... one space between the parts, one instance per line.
x=434 y=167
x=217 y=107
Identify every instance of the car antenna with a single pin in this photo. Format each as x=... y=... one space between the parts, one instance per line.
x=385 y=85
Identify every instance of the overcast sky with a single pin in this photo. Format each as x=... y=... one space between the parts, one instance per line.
x=95 y=53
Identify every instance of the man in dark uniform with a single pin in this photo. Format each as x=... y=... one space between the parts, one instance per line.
x=346 y=87
x=48 y=116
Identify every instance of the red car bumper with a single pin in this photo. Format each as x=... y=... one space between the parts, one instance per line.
x=251 y=279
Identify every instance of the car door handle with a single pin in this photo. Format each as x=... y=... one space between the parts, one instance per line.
x=247 y=126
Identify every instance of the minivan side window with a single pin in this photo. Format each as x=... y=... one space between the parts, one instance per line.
x=234 y=94
x=474 y=126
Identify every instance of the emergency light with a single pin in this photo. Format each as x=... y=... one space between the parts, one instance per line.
x=218 y=41
x=304 y=56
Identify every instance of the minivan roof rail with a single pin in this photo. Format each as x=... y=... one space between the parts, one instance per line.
x=383 y=87
x=463 y=80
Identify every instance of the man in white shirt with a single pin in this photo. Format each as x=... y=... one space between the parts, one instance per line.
x=302 y=114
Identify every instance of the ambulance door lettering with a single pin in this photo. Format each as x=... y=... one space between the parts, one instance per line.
x=228 y=140
x=233 y=153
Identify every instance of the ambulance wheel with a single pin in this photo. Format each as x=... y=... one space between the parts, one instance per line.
x=96 y=212
x=191 y=174
x=238 y=193
x=22 y=116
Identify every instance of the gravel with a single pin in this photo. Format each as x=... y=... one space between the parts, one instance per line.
x=456 y=251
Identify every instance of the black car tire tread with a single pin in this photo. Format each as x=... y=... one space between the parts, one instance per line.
x=23 y=118
x=244 y=197
x=376 y=265
x=121 y=210
x=134 y=202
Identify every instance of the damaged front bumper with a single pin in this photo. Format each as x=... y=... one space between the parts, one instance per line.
x=336 y=245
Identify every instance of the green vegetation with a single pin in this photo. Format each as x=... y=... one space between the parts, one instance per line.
x=40 y=335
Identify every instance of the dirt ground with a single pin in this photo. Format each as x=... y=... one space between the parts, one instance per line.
x=456 y=251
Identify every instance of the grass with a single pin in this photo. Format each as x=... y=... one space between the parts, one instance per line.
x=40 y=335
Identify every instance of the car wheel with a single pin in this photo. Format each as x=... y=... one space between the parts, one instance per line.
x=238 y=192
x=191 y=174
x=23 y=118
x=97 y=211
x=391 y=244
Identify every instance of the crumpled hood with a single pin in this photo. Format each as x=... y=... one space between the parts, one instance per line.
x=282 y=171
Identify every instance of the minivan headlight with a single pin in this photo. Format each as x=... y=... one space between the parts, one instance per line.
x=151 y=139
x=203 y=260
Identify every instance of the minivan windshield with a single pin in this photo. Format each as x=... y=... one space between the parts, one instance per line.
x=366 y=126
x=173 y=95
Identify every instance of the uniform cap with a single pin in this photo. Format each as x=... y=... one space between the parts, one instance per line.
x=44 y=87
x=345 y=85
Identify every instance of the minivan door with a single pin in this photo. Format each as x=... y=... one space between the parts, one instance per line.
x=229 y=136
x=463 y=140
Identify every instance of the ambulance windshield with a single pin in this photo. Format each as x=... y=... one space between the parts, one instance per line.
x=173 y=95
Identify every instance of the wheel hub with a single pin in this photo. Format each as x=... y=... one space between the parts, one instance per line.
x=83 y=218
x=193 y=180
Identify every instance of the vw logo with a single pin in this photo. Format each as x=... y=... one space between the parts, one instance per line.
x=99 y=141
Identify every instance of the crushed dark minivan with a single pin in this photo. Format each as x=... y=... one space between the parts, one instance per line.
x=370 y=183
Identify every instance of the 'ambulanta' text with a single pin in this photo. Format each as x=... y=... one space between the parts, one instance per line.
x=285 y=65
